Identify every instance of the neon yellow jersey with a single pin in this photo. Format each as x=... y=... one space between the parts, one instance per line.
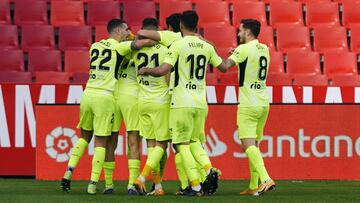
x=253 y=61
x=152 y=89
x=127 y=83
x=168 y=37
x=190 y=57
x=106 y=57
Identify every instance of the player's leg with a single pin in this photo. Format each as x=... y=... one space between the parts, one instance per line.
x=109 y=163
x=184 y=182
x=134 y=140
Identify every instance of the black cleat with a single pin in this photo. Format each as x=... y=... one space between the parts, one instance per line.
x=182 y=192
x=65 y=185
x=190 y=192
x=210 y=184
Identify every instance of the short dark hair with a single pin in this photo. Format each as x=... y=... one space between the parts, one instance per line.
x=173 y=20
x=253 y=25
x=190 y=20
x=150 y=23
x=114 y=23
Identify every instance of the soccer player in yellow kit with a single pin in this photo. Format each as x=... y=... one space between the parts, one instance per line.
x=97 y=104
x=189 y=57
x=253 y=61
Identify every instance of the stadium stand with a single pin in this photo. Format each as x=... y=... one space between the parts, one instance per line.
x=36 y=14
x=319 y=13
x=212 y=33
x=248 y=9
x=77 y=61
x=51 y=77
x=330 y=39
x=293 y=38
x=108 y=11
x=285 y=13
x=355 y=39
x=37 y=37
x=15 y=76
x=303 y=63
x=9 y=37
x=346 y=80
x=12 y=60
x=75 y=38
x=167 y=7
x=266 y=36
x=310 y=80
x=67 y=13
x=350 y=14
x=40 y=60
x=144 y=9
x=276 y=62
x=278 y=79
x=219 y=16
x=339 y=63
x=5 y=12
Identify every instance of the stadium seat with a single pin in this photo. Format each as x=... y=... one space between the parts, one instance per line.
x=169 y=7
x=143 y=10
x=101 y=33
x=266 y=36
x=37 y=37
x=15 y=77
x=75 y=38
x=219 y=16
x=217 y=35
x=40 y=60
x=278 y=79
x=223 y=52
x=351 y=14
x=12 y=60
x=80 y=78
x=248 y=9
x=285 y=13
x=355 y=39
x=312 y=1
x=276 y=62
x=8 y=37
x=67 y=13
x=310 y=80
x=322 y=13
x=51 y=77
x=36 y=14
x=211 y=79
x=303 y=63
x=293 y=38
x=330 y=39
x=77 y=61
x=135 y=28
x=346 y=80
x=108 y=11
x=230 y=78
x=339 y=63
x=5 y=12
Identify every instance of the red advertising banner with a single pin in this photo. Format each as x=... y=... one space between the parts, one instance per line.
x=300 y=142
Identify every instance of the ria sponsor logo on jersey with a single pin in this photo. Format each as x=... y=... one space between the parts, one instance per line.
x=257 y=85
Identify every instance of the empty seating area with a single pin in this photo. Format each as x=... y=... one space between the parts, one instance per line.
x=312 y=42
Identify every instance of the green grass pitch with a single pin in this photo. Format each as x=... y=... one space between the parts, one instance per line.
x=28 y=190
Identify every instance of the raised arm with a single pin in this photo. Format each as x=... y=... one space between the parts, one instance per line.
x=162 y=70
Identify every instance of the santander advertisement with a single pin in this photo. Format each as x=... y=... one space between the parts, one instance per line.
x=300 y=142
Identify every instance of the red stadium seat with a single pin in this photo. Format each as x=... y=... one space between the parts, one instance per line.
x=351 y=14
x=266 y=36
x=313 y=1
x=330 y=39
x=37 y=37
x=67 y=13
x=169 y=7
x=80 y=78
x=303 y=63
x=293 y=38
x=8 y=37
x=248 y=9
x=41 y=60
x=223 y=52
x=322 y=13
x=276 y=79
x=217 y=35
x=219 y=16
x=101 y=33
x=51 y=77
x=36 y=14
x=346 y=80
x=355 y=39
x=276 y=62
x=75 y=38
x=285 y=13
x=211 y=79
x=144 y=9
x=11 y=60
x=108 y=11
x=311 y=80
x=339 y=63
x=77 y=61
x=277 y=1
x=230 y=78
x=5 y=12
x=15 y=77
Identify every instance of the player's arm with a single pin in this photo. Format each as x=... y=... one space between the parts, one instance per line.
x=226 y=65
x=137 y=44
x=149 y=34
x=162 y=70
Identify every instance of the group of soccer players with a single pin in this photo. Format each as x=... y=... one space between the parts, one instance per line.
x=156 y=84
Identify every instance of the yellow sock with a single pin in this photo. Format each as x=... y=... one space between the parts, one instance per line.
x=134 y=171
x=254 y=177
x=201 y=171
x=97 y=163
x=108 y=173
x=254 y=155
x=152 y=161
x=162 y=164
x=181 y=171
x=157 y=174
x=77 y=152
x=201 y=156
x=189 y=164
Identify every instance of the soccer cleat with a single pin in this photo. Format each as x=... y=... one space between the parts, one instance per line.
x=250 y=192
x=266 y=186
x=191 y=192
x=210 y=184
x=132 y=191
x=65 y=185
x=109 y=190
x=157 y=192
x=140 y=187
x=91 y=190
x=182 y=191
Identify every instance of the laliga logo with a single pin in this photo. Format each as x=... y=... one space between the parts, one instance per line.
x=59 y=143
x=216 y=146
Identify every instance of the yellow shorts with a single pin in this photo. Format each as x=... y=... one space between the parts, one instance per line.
x=251 y=121
x=154 y=121
x=187 y=124
x=126 y=107
x=97 y=113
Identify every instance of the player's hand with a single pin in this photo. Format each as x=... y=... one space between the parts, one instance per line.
x=143 y=71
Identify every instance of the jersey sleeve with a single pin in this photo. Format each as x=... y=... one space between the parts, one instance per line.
x=167 y=37
x=124 y=48
x=172 y=55
x=215 y=59
x=239 y=54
